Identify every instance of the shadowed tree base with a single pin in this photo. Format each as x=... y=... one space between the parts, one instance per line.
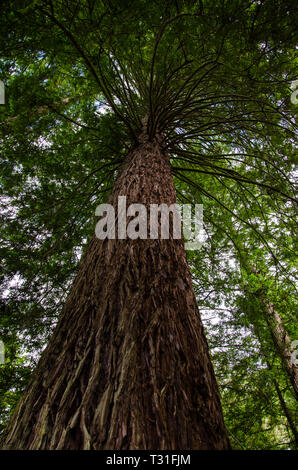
x=127 y=366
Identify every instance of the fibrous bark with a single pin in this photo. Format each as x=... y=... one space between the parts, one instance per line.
x=127 y=366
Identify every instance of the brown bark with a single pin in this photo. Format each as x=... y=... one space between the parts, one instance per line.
x=127 y=366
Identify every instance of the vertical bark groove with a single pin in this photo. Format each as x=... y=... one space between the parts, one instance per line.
x=127 y=366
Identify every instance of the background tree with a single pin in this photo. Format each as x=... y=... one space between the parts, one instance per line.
x=257 y=388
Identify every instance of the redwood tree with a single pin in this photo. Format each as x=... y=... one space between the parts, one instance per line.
x=127 y=366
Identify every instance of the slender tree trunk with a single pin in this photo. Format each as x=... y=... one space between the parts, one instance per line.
x=282 y=345
x=128 y=365
x=288 y=414
x=282 y=342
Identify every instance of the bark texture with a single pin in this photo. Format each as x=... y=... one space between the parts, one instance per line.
x=127 y=366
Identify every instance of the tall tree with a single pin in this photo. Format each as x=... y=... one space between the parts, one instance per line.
x=127 y=365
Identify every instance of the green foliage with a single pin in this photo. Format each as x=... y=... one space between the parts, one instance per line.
x=213 y=78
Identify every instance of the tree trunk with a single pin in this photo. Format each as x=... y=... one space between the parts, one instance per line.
x=288 y=414
x=281 y=341
x=127 y=366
